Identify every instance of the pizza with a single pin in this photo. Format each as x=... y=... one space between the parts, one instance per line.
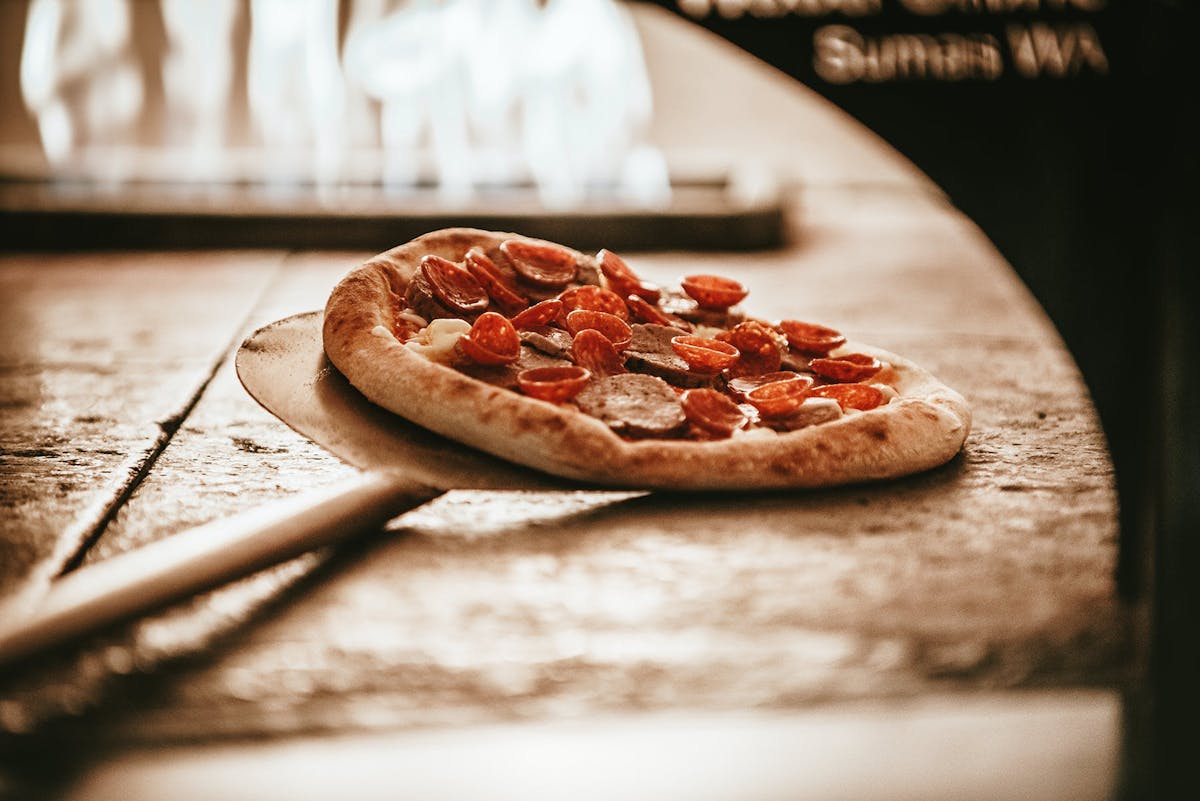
x=573 y=364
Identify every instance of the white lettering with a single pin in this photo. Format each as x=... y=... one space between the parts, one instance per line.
x=843 y=55
x=837 y=54
x=735 y=9
x=1056 y=51
x=697 y=9
x=929 y=8
x=1091 y=51
x=731 y=9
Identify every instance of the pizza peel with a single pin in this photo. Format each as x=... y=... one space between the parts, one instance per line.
x=283 y=366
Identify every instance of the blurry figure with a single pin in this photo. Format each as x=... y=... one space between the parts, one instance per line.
x=585 y=102
x=79 y=74
x=403 y=59
x=295 y=87
x=196 y=85
x=465 y=95
x=557 y=92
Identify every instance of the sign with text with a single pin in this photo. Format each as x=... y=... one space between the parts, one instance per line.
x=876 y=41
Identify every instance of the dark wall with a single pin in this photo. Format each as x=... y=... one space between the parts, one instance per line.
x=1061 y=167
x=1082 y=166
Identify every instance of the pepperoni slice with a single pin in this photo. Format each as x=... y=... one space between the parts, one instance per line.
x=780 y=398
x=742 y=385
x=456 y=288
x=594 y=298
x=847 y=368
x=713 y=291
x=542 y=263
x=538 y=315
x=553 y=384
x=713 y=412
x=485 y=271
x=624 y=281
x=707 y=356
x=761 y=351
x=643 y=312
x=852 y=396
x=492 y=340
x=614 y=329
x=810 y=338
x=595 y=352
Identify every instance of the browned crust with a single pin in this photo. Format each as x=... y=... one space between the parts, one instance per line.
x=921 y=429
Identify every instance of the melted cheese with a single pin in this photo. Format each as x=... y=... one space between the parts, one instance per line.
x=755 y=432
x=412 y=317
x=436 y=341
x=889 y=393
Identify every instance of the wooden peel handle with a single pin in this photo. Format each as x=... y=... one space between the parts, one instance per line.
x=205 y=557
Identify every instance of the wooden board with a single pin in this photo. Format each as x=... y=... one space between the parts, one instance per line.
x=995 y=571
x=97 y=369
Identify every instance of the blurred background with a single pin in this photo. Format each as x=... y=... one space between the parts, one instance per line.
x=1063 y=128
x=329 y=93
x=240 y=122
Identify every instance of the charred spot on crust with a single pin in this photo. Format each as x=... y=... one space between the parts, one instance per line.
x=780 y=468
x=551 y=423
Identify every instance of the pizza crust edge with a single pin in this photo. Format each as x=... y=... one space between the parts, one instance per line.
x=923 y=428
